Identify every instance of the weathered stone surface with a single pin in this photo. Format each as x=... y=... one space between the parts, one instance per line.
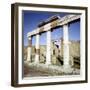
x=71 y=62
x=54 y=60
x=42 y=53
x=42 y=58
x=54 y=49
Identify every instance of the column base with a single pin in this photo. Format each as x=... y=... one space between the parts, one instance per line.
x=67 y=69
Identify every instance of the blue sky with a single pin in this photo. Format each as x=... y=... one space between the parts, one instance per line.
x=32 y=18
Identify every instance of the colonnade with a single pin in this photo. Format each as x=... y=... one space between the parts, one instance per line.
x=48 y=47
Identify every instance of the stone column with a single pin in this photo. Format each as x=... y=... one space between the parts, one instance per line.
x=29 y=49
x=37 y=49
x=66 y=48
x=48 y=47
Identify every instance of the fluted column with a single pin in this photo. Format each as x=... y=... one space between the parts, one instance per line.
x=48 y=47
x=66 y=48
x=29 y=49
x=37 y=49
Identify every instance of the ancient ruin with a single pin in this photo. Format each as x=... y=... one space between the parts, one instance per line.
x=65 y=55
